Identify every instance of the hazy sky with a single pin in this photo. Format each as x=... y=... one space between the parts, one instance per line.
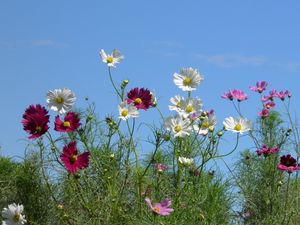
x=56 y=44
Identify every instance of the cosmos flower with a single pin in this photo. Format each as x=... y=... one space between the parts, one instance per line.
x=185 y=161
x=178 y=126
x=239 y=95
x=237 y=125
x=188 y=79
x=113 y=59
x=176 y=103
x=35 y=121
x=264 y=113
x=205 y=125
x=270 y=97
x=283 y=94
x=72 y=160
x=266 y=151
x=269 y=105
x=288 y=163
x=127 y=111
x=228 y=95
x=160 y=167
x=260 y=86
x=162 y=208
x=70 y=123
x=61 y=100
x=12 y=215
x=190 y=106
x=141 y=98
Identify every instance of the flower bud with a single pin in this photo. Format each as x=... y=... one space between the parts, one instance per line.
x=220 y=134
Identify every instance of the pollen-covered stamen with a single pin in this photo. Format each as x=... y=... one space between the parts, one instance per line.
x=16 y=217
x=205 y=125
x=238 y=127
x=138 y=101
x=187 y=81
x=109 y=59
x=73 y=158
x=177 y=128
x=124 y=113
x=67 y=124
x=59 y=99
x=156 y=210
x=38 y=129
x=189 y=109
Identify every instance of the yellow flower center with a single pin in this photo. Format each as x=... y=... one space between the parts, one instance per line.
x=73 y=158
x=187 y=81
x=124 y=113
x=59 y=99
x=109 y=59
x=67 y=124
x=38 y=129
x=205 y=125
x=138 y=101
x=156 y=210
x=16 y=218
x=238 y=127
x=189 y=109
x=178 y=128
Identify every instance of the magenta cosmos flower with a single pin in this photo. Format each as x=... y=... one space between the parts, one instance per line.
x=72 y=160
x=35 y=121
x=228 y=95
x=162 y=208
x=235 y=94
x=270 y=97
x=260 y=86
x=283 y=94
x=264 y=113
x=160 y=167
x=141 y=98
x=266 y=151
x=270 y=105
x=288 y=163
x=70 y=123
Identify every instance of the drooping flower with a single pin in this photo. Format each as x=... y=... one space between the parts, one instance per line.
x=113 y=59
x=70 y=123
x=72 y=160
x=178 y=126
x=185 y=161
x=61 y=100
x=228 y=95
x=266 y=151
x=239 y=95
x=260 y=86
x=288 y=163
x=141 y=98
x=176 y=103
x=35 y=121
x=189 y=106
x=205 y=125
x=237 y=125
x=12 y=215
x=160 y=167
x=264 y=113
x=188 y=79
x=127 y=111
x=162 y=209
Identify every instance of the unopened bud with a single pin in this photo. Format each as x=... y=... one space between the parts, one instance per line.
x=220 y=133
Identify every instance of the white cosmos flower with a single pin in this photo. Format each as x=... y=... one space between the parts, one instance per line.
x=190 y=106
x=203 y=127
x=185 y=161
x=176 y=101
x=178 y=126
x=237 y=125
x=127 y=111
x=188 y=79
x=112 y=59
x=12 y=215
x=60 y=100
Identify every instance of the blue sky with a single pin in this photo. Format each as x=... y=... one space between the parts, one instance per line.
x=48 y=45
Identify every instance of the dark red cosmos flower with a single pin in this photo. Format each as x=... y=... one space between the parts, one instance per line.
x=70 y=123
x=35 y=121
x=72 y=160
x=141 y=98
x=288 y=163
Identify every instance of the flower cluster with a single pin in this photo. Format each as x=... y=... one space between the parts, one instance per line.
x=266 y=151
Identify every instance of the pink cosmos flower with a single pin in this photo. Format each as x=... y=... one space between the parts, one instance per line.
x=70 y=123
x=288 y=163
x=140 y=97
x=270 y=97
x=35 y=121
x=72 y=160
x=283 y=94
x=160 y=167
x=270 y=105
x=228 y=95
x=264 y=113
x=266 y=151
x=260 y=86
x=239 y=95
x=162 y=208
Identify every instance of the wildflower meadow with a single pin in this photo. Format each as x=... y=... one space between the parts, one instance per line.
x=81 y=168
